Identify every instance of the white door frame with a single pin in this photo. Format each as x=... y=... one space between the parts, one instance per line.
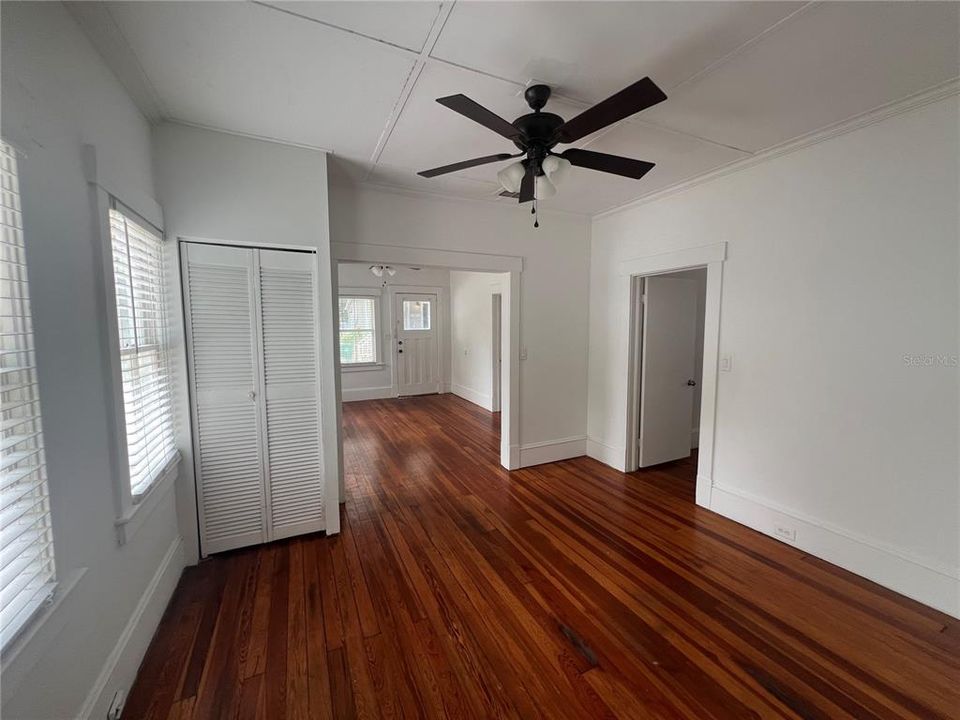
x=478 y=262
x=712 y=258
x=496 y=339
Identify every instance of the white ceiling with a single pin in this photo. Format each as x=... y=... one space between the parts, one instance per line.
x=359 y=79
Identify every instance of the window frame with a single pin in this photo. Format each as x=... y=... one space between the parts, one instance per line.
x=376 y=295
x=131 y=511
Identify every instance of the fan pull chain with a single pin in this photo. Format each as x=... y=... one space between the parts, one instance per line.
x=533 y=210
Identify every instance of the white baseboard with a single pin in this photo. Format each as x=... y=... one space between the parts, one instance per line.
x=374 y=393
x=923 y=580
x=552 y=450
x=120 y=669
x=615 y=457
x=471 y=395
x=510 y=456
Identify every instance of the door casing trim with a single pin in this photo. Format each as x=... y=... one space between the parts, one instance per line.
x=712 y=258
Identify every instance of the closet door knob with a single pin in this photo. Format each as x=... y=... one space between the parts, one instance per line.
x=252 y=395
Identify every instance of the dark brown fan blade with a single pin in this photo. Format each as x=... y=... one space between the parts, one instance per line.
x=467 y=164
x=479 y=114
x=628 y=167
x=508 y=194
x=639 y=96
x=527 y=184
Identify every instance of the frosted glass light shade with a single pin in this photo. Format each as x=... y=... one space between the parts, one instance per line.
x=545 y=188
x=377 y=270
x=555 y=168
x=511 y=177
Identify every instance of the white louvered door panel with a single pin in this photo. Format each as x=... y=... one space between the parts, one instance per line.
x=220 y=293
x=288 y=297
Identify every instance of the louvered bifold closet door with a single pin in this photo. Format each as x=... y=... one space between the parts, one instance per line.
x=288 y=296
x=220 y=293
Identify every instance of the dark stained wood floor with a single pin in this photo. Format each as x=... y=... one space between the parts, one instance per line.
x=567 y=590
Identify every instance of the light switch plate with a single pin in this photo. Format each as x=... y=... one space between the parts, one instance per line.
x=726 y=363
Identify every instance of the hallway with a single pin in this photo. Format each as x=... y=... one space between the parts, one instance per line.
x=566 y=590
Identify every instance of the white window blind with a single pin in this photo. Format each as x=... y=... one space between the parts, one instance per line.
x=140 y=290
x=358 y=330
x=27 y=569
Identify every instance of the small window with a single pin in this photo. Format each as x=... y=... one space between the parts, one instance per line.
x=141 y=298
x=358 y=330
x=26 y=542
x=416 y=314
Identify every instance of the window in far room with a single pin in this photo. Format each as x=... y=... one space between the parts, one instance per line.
x=358 y=330
x=416 y=314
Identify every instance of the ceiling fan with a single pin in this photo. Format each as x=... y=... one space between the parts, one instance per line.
x=537 y=133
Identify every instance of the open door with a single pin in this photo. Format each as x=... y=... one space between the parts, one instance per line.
x=667 y=381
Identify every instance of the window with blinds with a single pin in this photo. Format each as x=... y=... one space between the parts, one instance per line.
x=140 y=290
x=358 y=330
x=27 y=571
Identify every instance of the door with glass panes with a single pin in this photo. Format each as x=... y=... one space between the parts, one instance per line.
x=417 y=344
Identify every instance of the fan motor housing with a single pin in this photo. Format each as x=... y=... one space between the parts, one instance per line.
x=538 y=128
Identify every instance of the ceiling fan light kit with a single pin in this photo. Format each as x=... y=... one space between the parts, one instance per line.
x=536 y=134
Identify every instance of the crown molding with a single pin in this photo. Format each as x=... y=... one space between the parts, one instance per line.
x=884 y=112
x=247 y=136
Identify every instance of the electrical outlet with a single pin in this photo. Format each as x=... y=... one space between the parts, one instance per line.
x=785 y=533
x=523 y=353
x=116 y=705
x=726 y=363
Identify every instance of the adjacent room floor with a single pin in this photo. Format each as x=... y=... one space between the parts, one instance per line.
x=567 y=590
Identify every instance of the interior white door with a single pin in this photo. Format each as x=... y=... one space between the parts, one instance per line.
x=496 y=358
x=417 y=346
x=667 y=382
x=220 y=298
x=291 y=407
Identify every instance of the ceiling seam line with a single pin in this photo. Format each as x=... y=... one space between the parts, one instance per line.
x=439 y=22
x=746 y=45
x=408 y=84
x=324 y=23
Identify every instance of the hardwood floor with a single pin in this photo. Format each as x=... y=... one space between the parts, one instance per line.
x=567 y=590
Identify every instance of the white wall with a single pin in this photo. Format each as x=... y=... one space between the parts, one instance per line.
x=218 y=186
x=379 y=382
x=57 y=97
x=471 y=331
x=842 y=262
x=554 y=285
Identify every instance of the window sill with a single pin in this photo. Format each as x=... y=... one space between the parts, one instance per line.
x=362 y=367
x=130 y=522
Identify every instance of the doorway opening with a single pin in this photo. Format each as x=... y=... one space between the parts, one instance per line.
x=674 y=297
x=670 y=314
x=410 y=330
